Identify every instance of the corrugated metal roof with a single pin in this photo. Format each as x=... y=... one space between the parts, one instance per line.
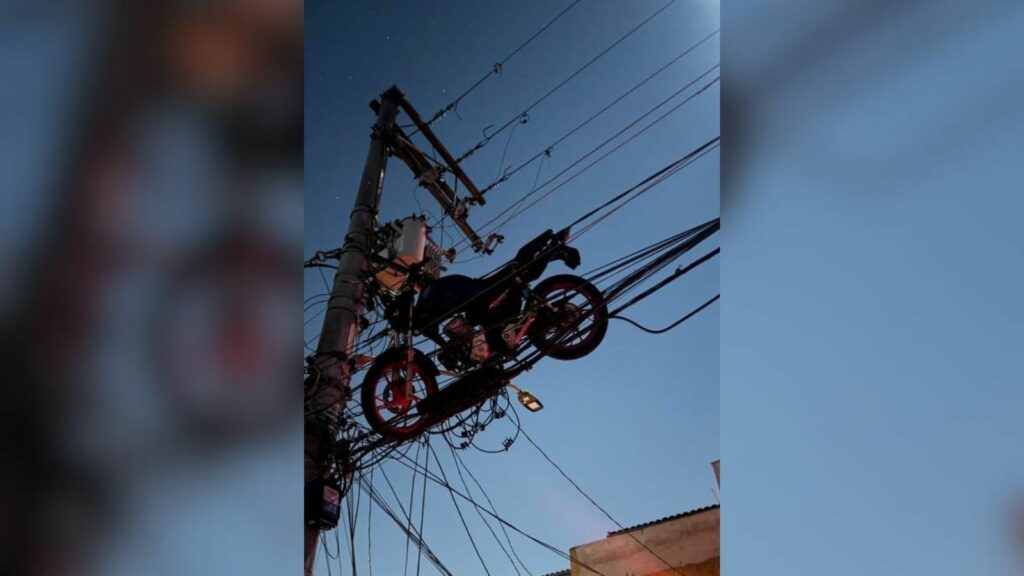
x=665 y=519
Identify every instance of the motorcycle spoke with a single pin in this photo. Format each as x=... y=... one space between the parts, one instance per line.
x=402 y=387
x=569 y=332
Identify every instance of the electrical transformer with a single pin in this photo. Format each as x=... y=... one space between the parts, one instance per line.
x=406 y=242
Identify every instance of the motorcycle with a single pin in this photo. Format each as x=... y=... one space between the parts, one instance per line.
x=486 y=323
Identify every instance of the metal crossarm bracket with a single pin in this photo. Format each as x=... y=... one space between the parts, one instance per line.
x=430 y=175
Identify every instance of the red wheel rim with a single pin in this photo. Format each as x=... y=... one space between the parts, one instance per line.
x=394 y=402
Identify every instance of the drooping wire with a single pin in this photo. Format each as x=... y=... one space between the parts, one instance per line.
x=508 y=142
x=412 y=492
x=327 y=554
x=404 y=461
x=351 y=530
x=480 y=487
x=595 y=504
x=487 y=138
x=369 y=531
x=689 y=315
x=420 y=543
x=498 y=66
x=462 y=518
x=423 y=502
x=465 y=487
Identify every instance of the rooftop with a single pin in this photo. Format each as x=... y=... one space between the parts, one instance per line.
x=660 y=520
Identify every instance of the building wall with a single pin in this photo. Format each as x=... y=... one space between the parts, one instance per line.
x=689 y=544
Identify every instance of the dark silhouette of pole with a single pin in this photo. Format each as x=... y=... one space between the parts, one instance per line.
x=330 y=389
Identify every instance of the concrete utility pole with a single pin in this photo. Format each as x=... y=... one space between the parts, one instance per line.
x=342 y=320
x=329 y=392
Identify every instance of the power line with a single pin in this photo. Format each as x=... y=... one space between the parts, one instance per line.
x=516 y=208
x=675 y=276
x=637 y=277
x=650 y=182
x=465 y=486
x=412 y=493
x=617 y=265
x=327 y=554
x=353 y=516
x=369 y=526
x=645 y=185
x=423 y=505
x=497 y=68
x=426 y=473
x=525 y=112
x=434 y=478
x=586 y=168
x=592 y=501
x=672 y=325
x=667 y=170
x=494 y=509
x=408 y=528
x=547 y=150
x=457 y=509
x=420 y=543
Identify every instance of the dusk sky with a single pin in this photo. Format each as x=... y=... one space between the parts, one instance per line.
x=635 y=423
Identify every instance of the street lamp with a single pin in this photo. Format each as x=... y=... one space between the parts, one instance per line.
x=529 y=401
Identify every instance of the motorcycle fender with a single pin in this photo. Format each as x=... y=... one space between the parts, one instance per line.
x=421 y=359
x=425 y=361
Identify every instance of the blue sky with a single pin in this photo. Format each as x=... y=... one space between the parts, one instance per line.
x=636 y=423
x=871 y=391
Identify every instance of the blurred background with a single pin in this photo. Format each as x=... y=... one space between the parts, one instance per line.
x=871 y=399
x=152 y=230
x=871 y=280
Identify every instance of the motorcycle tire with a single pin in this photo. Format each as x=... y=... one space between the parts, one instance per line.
x=559 y=337
x=386 y=408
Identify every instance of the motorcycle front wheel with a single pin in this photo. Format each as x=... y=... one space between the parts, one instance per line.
x=572 y=320
x=392 y=390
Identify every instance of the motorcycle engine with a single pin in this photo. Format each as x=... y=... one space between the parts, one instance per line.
x=459 y=329
x=463 y=338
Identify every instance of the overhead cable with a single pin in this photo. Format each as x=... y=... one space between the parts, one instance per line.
x=519 y=117
x=498 y=66
x=549 y=148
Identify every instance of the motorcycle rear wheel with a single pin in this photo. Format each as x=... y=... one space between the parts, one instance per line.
x=574 y=321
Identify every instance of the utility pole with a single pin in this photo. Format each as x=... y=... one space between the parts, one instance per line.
x=344 y=309
x=328 y=389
